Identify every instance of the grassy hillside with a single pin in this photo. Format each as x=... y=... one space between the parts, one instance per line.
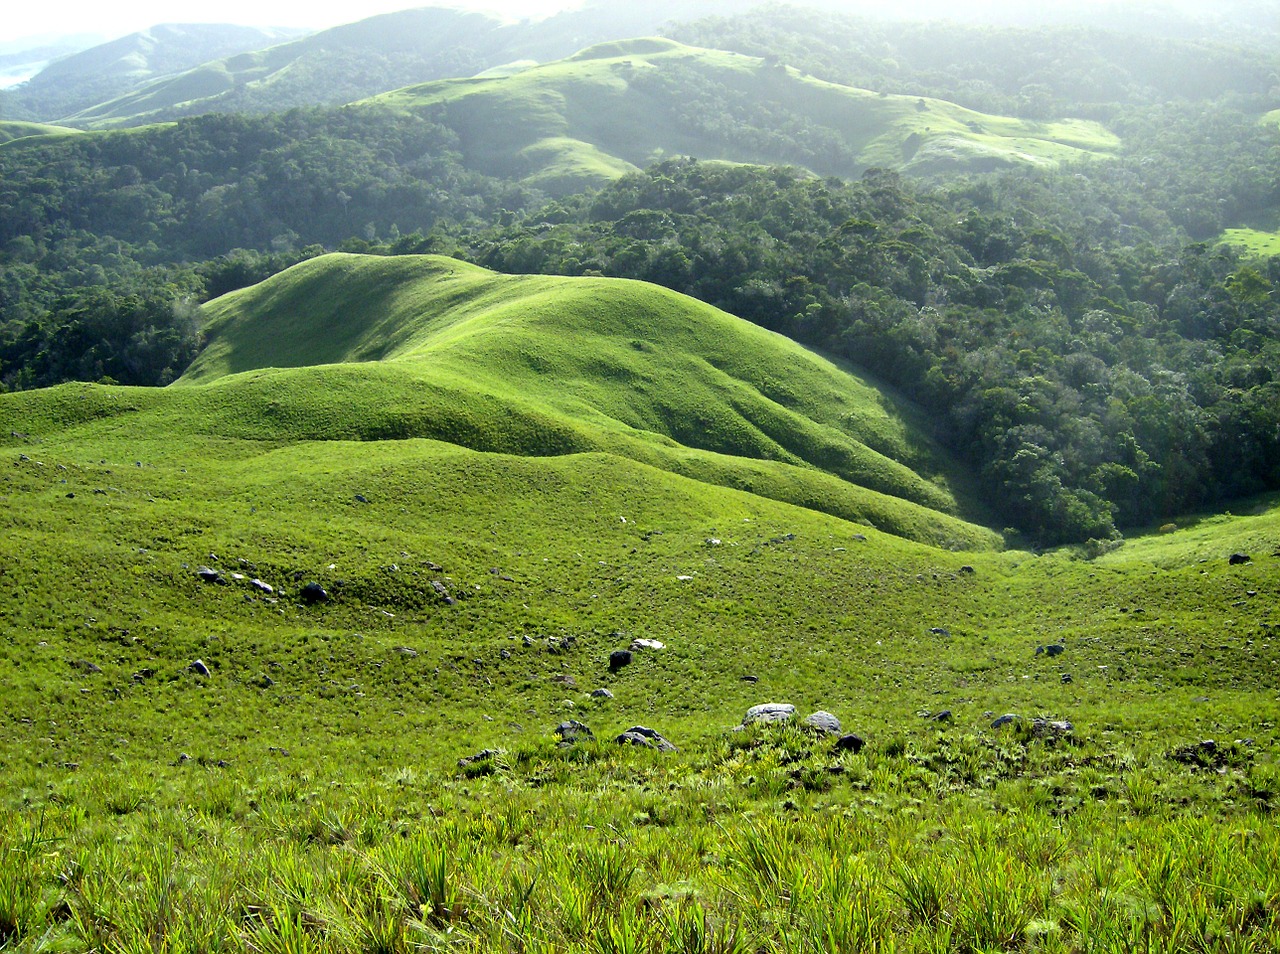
x=1253 y=241
x=619 y=106
x=421 y=346
x=11 y=131
x=300 y=789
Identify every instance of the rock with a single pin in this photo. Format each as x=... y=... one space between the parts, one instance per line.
x=142 y=675
x=943 y=716
x=823 y=722
x=1066 y=678
x=208 y=574
x=940 y=631
x=484 y=756
x=849 y=743
x=443 y=592
x=565 y=680
x=619 y=658
x=601 y=694
x=638 y=644
x=1055 y=649
x=405 y=651
x=769 y=712
x=86 y=667
x=261 y=587
x=573 y=731
x=313 y=593
x=750 y=679
x=1051 y=727
x=1237 y=559
x=649 y=738
x=360 y=498
x=199 y=668
x=860 y=537
x=528 y=641
x=1004 y=720
x=504 y=654
x=967 y=570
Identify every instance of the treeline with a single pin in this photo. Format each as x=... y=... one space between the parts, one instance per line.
x=106 y=240
x=1093 y=384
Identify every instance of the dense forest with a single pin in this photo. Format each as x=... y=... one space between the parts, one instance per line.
x=1077 y=333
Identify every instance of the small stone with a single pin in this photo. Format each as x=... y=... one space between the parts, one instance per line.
x=485 y=755
x=527 y=641
x=1066 y=678
x=1055 y=649
x=443 y=592
x=565 y=680
x=1238 y=559
x=940 y=631
x=208 y=574
x=601 y=694
x=360 y=498
x=824 y=723
x=750 y=679
x=619 y=658
x=504 y=654
x=142 y=675
x=313 y=593
x=968 y=570
x=86 y=667
x=199 y=668
x=183 y=757
x=1004 y=720
x=638 y=644
x=405 y=651
x=943 y=716
x=262 y=587
x=849 y=743
x=769 y=712
x=1051 y=727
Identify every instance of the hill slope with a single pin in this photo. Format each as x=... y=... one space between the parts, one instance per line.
x=619 y=106
x=422 y=346
x=104 y=72
x=375 y=55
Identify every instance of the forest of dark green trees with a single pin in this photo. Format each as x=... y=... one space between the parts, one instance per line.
x=1078 y=334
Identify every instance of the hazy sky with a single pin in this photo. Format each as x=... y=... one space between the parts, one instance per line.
x=24 y=18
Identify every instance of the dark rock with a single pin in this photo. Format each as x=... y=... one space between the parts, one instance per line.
x=619 y=658
x=360 y=498
x=940 y=631
x=142 y=675
x=785 y=538
x=849 y=743
x=183 y=758
x=208 y=574
x=1055 y=649
x=601 y=694
x=943 y=716
x=824 y=723
x=528 y=641
x=968 y=570
x=750 y=678
x=649 y=738
x=769 y=712
x=86 y=667
x=1004 y=720
x=486 y=755
x=1237 y=559
x=199 y=668
x=504 y=654
x=442 y=591
x=313 y=593
x=860 y=537
x=573 y=731
x=1066 y=678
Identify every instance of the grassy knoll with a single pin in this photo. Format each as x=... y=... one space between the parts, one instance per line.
x=1253 y=241
x=620 y=106
x=12 y=131
x=300 y=790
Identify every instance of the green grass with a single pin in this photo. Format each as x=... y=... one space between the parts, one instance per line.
x=584 y=120
x=14 y=131
x=305 y=795
x=431 y=347
x=1254 y=241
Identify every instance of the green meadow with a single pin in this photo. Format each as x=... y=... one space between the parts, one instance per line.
x=498 y=482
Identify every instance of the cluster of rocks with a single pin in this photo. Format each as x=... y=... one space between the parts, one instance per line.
x=820 y=723
x=573 y=731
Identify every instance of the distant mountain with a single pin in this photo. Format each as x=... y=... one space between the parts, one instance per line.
x=617 y=107
x=103 y=72
x=372 y=56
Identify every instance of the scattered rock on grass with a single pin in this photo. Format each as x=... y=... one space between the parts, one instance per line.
x=619 y=658
x=1237 y=559
x=262 y=587
x=943 y=716
x=1004 y=720
x=849 y=743
x=208 y=574
x=1051 y=728
x=823 y=723
x=483 y=756
x=769 y=712
x=442 y=591
x=199 y=668
x=638 y=644
x=572 y=731
x=86 y=667
x=313 y=593
x=601 y=694
x=649 y=738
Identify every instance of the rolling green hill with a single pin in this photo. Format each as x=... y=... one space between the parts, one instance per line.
x=619 y=106
x=13 y=131
x=366 y=348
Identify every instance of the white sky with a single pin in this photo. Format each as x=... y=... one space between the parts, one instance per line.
x=30 y=18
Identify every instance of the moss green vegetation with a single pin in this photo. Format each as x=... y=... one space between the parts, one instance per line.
x=620 y=106
x=424 y=346
x=192 y=765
